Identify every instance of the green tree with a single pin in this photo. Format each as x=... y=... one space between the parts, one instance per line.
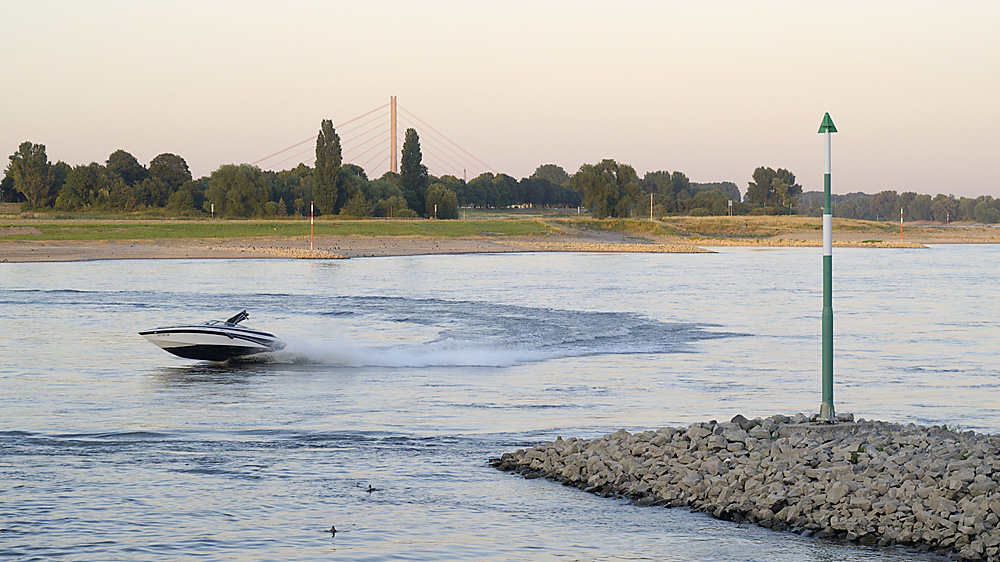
x=775 y=187
x=489 y=190
x=536 y=191
x=442 y=203
x=118 y=197
x=708 y=203
x=181 y=202
x=670 y=191
x=7 y=190
x=944 y=208
x=354 y=171
x=759 y=190
x=352 y=183
x=886 y=205
x=171 y=169
x=380 y=189
x=237 y=191
x=294 y=186
x=475 y=193
x=659 y=184
x=919 y=208
x=60 y=171
x=987 y=210
x=413 y=176
x=127 y=167
x=32 y=174
x=153 y=191
x=609 y=189
x=905 y=198
x=391 y=177
x=785 y=188
x=681 y=186
x=450 y=181
x=967 y=208
x=551 y=172
x=507 y=191
x=357 y=207
x=727 y=188
x=327 y=185
x=454 y=184
x=85 y=186
x=394 y=207
x=188 y=199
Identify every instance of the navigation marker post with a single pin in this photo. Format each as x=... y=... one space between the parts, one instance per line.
x=826 y=412
x=311 y=227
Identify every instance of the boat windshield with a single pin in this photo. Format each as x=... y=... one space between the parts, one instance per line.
x=239 y=317
x=224 y=323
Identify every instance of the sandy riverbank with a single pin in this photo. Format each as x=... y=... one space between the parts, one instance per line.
x=567 y=239
x=340 y=247
x=323 y=247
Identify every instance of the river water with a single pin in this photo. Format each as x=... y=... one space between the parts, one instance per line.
x=407 y=374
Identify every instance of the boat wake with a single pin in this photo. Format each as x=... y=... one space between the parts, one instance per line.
x=491 y=350
x=395 y=332
x=443 y=353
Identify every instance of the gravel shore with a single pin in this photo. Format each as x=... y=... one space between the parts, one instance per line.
x=324 y=247
x=867 y=481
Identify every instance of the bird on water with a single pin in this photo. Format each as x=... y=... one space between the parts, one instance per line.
x=333 y=531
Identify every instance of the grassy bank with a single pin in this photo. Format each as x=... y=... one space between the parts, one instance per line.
x=727 y=227
x=778 y=230
x=738 y=230
x=73 y=229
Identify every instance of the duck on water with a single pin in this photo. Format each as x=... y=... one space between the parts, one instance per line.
x=215 y=340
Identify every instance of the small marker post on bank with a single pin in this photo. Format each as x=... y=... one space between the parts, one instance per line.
x=826 y=412
x=311 y=227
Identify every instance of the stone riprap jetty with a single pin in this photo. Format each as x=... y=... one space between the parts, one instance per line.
x=866 y=481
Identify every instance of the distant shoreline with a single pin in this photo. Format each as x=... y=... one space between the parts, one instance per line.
x=325 y=247
x=329 y=247
x=27 y=240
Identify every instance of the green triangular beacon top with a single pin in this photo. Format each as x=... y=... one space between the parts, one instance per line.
x=827 y=125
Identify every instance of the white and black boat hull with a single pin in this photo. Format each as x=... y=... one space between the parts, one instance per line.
x=209 y=343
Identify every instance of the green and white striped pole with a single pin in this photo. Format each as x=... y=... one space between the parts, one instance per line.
x=826 y=412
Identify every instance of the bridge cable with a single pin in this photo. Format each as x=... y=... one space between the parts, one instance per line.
x=488 y=167
x=254 y=163
x=377 y=155
x=462 y=160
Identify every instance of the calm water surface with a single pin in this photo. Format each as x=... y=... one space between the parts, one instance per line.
x=407 y=374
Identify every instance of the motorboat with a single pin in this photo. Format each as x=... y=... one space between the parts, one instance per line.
x=215 y=340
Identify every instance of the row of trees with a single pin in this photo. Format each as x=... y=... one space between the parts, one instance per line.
x=611 y=189
x=886 y=205
x=606 y=188
x=123 y=184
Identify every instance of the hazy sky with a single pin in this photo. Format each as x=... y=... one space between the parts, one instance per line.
x=712 y=89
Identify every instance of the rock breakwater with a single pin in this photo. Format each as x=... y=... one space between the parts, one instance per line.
x=866 y=481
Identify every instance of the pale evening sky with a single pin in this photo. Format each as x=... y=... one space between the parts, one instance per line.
x=712 y=89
